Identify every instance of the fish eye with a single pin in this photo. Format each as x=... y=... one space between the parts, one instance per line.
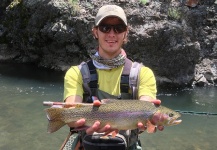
x=171 y=114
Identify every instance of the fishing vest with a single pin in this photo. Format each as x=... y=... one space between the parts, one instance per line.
x=128 y=86
x=128 y=83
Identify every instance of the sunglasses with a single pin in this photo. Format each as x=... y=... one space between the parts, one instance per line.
x=106 y=28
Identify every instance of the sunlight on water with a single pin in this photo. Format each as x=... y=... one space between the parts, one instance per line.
x=23 y=123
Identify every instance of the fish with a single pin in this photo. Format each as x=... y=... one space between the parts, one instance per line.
x=119 y=114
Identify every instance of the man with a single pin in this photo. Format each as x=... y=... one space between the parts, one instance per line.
x=111 y=32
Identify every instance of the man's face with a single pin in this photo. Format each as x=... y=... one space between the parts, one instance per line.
x=111 y=33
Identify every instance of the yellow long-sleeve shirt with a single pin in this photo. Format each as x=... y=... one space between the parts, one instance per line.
x=109 y=81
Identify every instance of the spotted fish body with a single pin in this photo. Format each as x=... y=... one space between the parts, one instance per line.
x=120 y=114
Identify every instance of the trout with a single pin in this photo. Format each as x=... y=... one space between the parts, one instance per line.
x=120 y=114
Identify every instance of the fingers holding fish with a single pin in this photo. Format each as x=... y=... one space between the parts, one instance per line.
x=157 y=102
x=96 y=103
x=160 y=128
x=149 y=99
x=106 y=128
x=141 y=127
x=119 y=114
x=96 y=128
x=149 y=127
x=93 y=128
x=76 y=124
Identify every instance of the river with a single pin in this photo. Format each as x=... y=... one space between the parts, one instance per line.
x=23 y=123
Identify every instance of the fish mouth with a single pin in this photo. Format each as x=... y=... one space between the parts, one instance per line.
x=174 y=122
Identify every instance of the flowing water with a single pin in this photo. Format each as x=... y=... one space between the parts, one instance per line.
x=196 y=132
x=23 y=123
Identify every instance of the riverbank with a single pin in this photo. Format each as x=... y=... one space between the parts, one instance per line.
x=176 y=40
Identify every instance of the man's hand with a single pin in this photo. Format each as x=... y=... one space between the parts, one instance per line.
x=107 y=128
x=156 y=101
x=95 y=127
x=149 y=99
x=149 y=126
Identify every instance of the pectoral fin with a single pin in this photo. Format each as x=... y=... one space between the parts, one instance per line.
x=150 y=127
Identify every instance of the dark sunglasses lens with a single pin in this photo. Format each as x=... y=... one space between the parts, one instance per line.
x=117 y=28
x=120 y=28
x=105 y=28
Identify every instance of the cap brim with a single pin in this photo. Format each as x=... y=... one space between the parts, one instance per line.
x=99 y=21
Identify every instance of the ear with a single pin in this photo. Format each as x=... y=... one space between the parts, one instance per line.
x=125 y=36
x=95 y=33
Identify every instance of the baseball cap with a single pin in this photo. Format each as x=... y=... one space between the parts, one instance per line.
x=110 y=10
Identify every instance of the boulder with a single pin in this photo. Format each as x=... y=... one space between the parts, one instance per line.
x=173 y=38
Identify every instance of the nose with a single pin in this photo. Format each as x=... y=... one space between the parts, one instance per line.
x=111 y=32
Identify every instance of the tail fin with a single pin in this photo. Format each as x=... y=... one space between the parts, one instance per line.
x=54 y=116
x=54 y=125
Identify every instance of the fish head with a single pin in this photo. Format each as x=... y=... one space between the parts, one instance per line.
x=166 y=117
